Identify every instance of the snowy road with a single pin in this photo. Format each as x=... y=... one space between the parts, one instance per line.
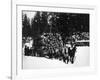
x=82 y=59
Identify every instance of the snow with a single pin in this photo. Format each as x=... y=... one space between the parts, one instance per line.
x=81 y=60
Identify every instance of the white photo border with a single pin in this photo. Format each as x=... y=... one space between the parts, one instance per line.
x=17 y=72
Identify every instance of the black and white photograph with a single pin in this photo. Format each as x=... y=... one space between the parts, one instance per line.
x=55 y=39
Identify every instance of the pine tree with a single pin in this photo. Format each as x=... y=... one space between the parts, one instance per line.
x=26 y=30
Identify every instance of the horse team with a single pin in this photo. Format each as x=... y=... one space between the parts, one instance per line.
x=66 y=54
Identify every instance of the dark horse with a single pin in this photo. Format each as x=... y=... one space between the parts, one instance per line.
x=72 y=54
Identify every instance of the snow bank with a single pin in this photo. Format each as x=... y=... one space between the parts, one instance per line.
x=81 y=60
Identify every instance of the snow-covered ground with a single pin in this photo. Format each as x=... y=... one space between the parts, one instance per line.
x=82 y=59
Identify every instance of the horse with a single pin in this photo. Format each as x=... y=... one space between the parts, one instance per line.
x=71 y=53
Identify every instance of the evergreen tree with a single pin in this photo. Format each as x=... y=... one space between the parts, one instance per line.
x=26 y=29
